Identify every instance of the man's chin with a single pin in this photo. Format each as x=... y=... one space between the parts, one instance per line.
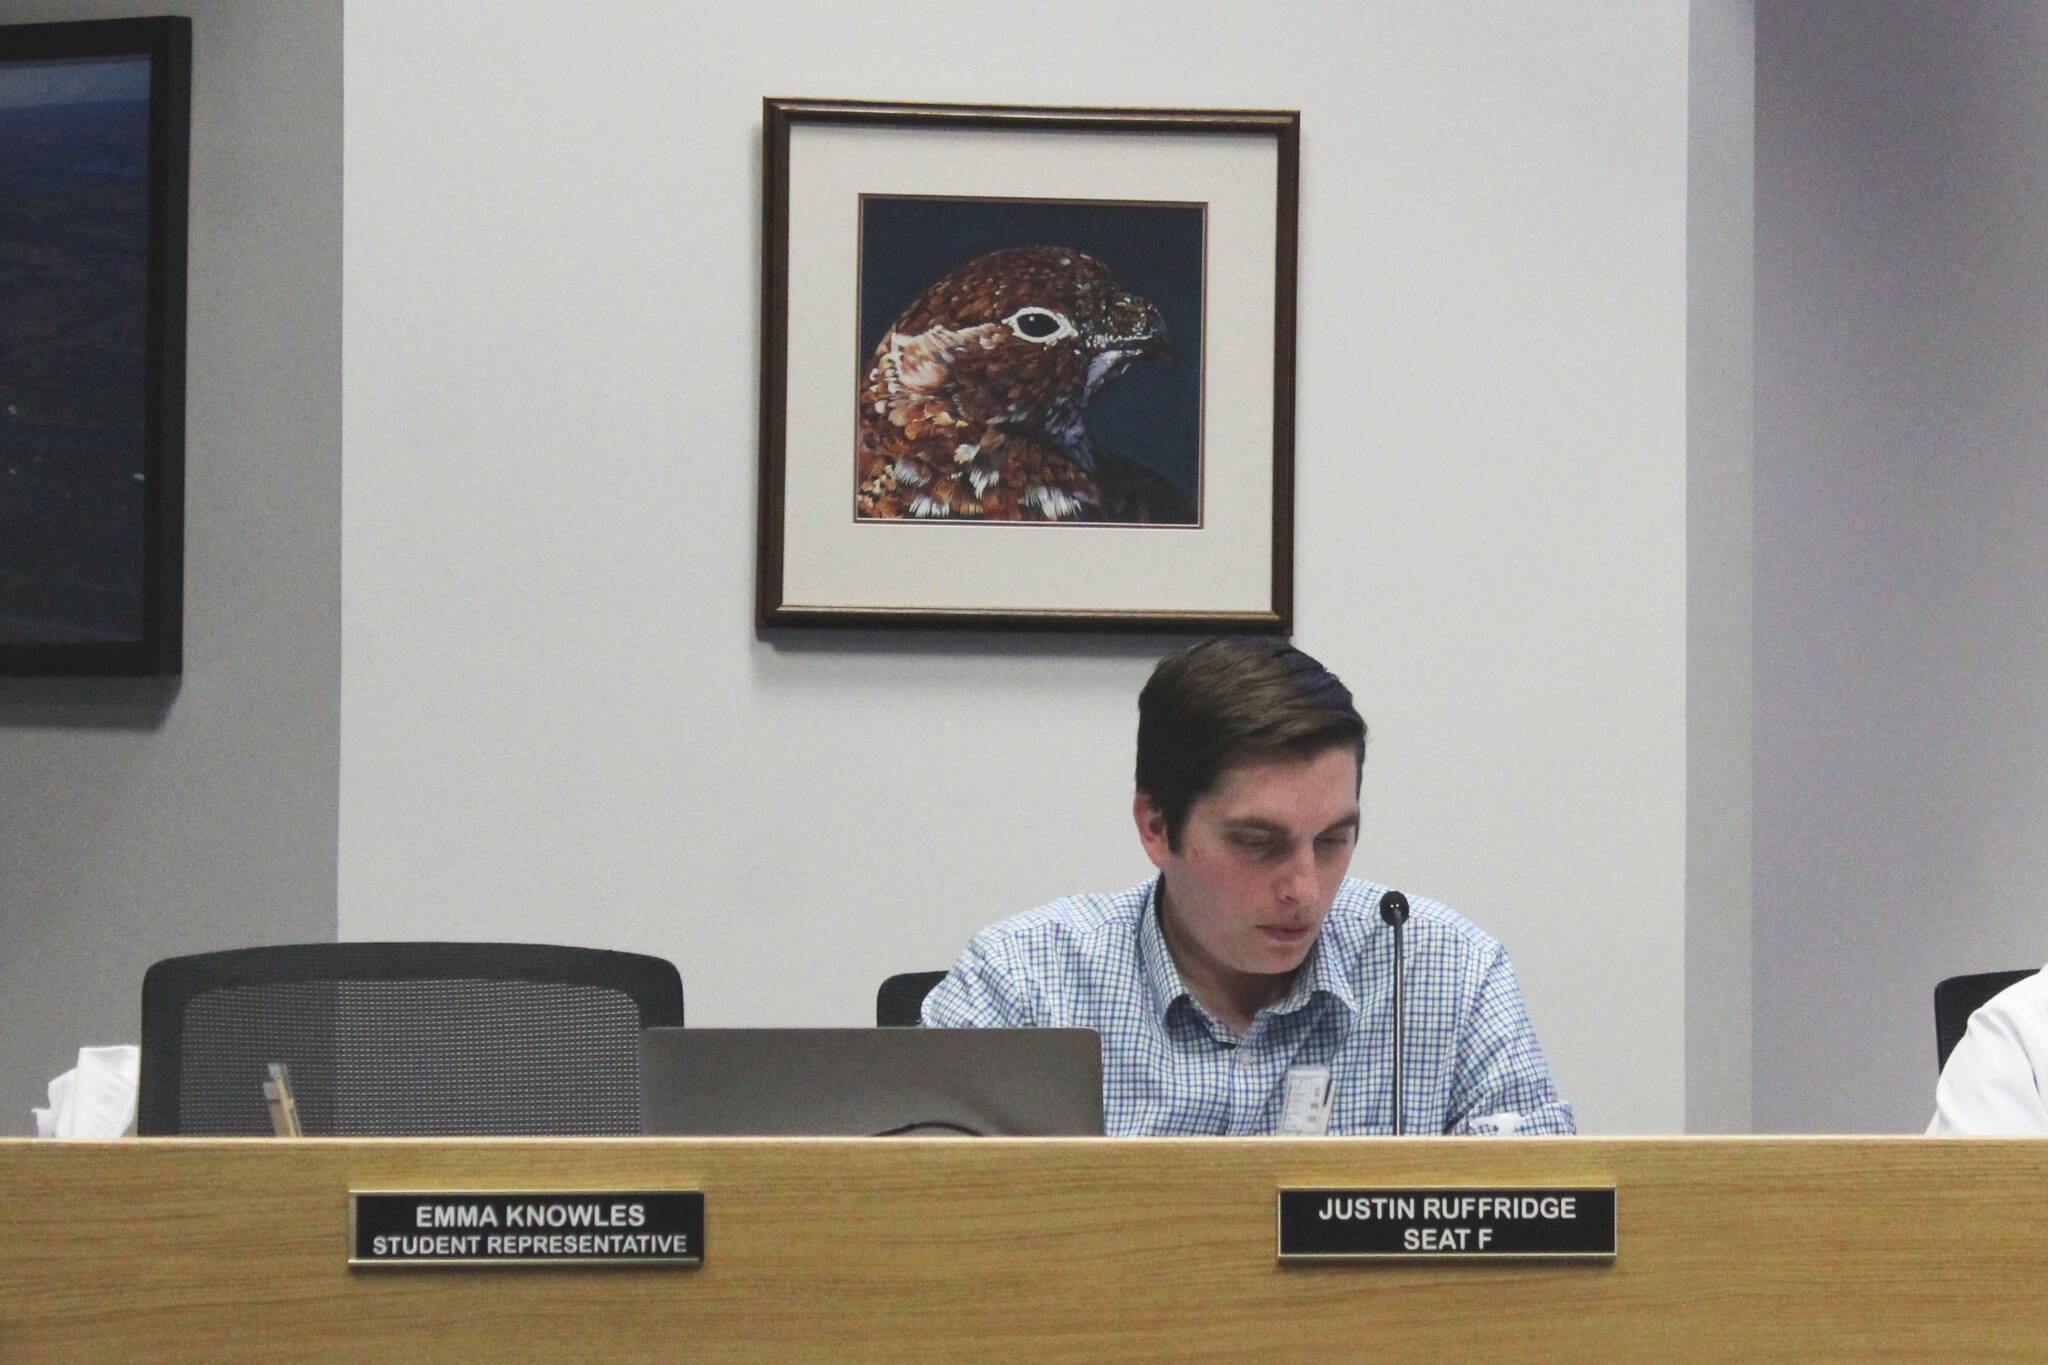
x=1278 y=952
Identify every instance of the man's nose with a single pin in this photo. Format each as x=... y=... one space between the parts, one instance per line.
x=1298 y=876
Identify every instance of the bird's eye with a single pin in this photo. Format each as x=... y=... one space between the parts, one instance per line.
x=1039 y=324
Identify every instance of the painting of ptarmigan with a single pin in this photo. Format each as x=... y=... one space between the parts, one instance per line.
x=975 y=401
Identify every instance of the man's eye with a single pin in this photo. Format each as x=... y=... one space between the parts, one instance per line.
x=1332 y=843
x=1255 y=845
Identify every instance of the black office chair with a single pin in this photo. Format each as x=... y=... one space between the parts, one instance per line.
x=1959 y=997
x=402 y=1039
x=896 y=1004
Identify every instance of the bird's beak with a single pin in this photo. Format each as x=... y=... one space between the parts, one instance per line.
x=1137 y=329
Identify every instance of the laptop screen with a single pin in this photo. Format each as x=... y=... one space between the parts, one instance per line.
x=708 y=1082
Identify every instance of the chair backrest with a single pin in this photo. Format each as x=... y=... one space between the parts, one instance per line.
x=402 y=1039
x=896 y=1004
x=1959 y=997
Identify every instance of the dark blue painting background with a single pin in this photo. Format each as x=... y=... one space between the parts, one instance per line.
x=1152 y=415
x=73 y=249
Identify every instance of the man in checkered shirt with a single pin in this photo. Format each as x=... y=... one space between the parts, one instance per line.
x=1248 y=988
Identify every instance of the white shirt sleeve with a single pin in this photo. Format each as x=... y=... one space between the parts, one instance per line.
x=1989 y=1087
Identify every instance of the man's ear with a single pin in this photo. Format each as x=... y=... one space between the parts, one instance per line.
x=1151 y=829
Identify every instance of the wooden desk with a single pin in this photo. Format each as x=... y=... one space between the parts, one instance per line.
x=990 y=1250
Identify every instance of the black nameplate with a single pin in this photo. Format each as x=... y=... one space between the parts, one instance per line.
x=579 y=1227
x=1430 y=1223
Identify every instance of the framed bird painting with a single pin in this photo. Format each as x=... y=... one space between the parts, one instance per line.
x=1027 y=368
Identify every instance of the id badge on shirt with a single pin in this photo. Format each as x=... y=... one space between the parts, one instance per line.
x=1305 y=1112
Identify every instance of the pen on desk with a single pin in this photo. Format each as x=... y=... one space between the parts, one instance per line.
x=277 y=1093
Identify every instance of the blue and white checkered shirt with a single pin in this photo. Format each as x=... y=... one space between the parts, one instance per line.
x=1170 y=1068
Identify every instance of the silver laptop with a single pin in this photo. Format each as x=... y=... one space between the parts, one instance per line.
x=706 y=1082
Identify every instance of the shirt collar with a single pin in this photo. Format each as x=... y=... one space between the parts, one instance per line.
x=1155 y=963
x=1320 y=971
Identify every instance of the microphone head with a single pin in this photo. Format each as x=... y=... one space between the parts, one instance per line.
x=1394 y=908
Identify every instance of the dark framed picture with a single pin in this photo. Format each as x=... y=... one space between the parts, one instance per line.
x=94 y=126
x=1027 y=368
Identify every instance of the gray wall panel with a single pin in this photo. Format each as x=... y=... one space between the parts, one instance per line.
x=140 y=821
x=1901 y=797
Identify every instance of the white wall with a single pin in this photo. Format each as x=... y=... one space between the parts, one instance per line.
x=557 y=722
x=143 y=820
x=1901 y=537
x=1720 y=368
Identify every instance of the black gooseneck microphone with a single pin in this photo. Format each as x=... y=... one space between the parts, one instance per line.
x=1394 y=910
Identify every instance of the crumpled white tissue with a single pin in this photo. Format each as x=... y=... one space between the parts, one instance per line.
x=96 y=1098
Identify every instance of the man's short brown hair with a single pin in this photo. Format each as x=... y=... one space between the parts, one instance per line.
x=1225 y=700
